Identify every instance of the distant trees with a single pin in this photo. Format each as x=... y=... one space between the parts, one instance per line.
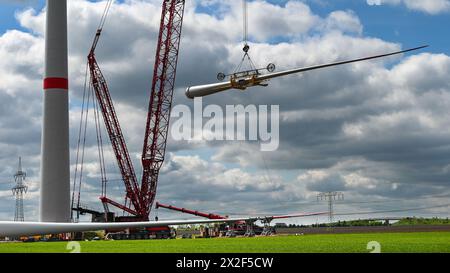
x=423 y=221
x=353 y=223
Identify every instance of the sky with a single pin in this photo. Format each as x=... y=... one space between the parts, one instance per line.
x=376 y=131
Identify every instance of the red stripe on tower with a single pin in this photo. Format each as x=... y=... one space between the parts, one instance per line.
x=56 y=83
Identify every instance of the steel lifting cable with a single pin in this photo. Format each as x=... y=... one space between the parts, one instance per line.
x=246 y=56
x=245 y=22
x=84 y=116
x=79 y=140
x=101 y=155
x=84 y=145
x=105 y=14
x=246 y=48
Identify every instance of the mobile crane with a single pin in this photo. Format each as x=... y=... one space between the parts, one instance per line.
x=139 y=197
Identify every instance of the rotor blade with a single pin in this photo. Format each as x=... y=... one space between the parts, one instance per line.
x=11 y=228
x=304 y=69
x=207 y=89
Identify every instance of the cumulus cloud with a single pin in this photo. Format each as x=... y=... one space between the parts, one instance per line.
x=427 y=6
x=375 y=129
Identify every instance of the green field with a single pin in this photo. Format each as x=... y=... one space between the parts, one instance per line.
x=428 y=242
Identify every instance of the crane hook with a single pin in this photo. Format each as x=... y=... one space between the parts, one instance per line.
x=246 y=48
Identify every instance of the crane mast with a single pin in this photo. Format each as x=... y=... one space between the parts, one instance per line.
x=161 y=99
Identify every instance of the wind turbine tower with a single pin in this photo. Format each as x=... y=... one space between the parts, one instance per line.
x=18 y=191
x=55 y=168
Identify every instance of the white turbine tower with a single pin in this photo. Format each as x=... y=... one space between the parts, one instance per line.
x=55 y=172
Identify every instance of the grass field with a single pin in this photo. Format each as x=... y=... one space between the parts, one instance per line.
x=429 y=242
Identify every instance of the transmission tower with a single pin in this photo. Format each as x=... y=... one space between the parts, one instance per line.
x=18 y=191
x=330 y=197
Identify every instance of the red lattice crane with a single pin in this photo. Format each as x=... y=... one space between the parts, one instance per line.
x=115 y=135
x=139 y=198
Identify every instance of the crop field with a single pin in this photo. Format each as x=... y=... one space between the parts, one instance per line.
x=427 y=242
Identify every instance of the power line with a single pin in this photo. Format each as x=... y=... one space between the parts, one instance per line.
x=371 y=202
x=399 y=200
x=395 y=210
x=346 y=214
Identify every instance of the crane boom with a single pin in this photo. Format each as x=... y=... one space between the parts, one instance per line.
x=160 y=105
x=115 y=134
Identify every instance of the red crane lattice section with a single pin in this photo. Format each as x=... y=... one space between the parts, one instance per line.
x=193 y=212
x=115 y=135
x=161 y=98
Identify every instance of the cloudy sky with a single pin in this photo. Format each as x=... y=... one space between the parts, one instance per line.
x=377 y=131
